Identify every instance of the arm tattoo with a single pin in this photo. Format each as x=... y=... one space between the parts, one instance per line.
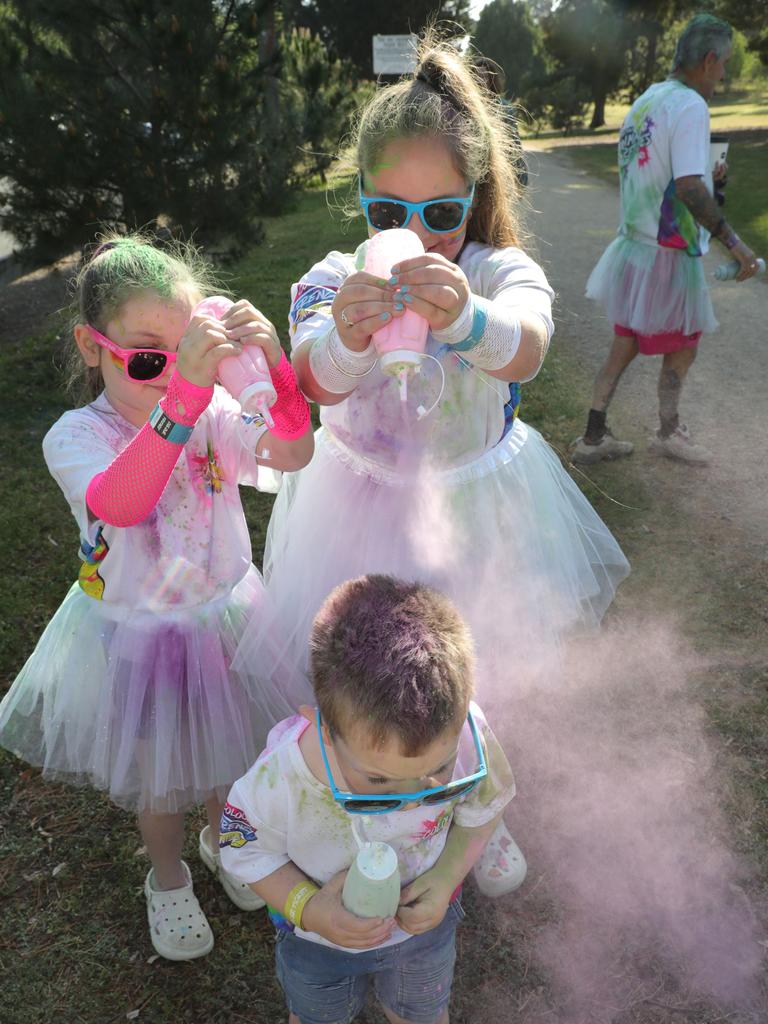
x=703 y=208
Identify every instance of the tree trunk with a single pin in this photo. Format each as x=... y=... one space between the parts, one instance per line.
x=598 y=114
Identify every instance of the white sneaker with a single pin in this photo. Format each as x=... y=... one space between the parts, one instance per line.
x=241 y=894
x=680 y=446
x=501 y=867
x=177 y=925
x=608 y=447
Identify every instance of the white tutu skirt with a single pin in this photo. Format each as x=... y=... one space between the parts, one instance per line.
x=144 y=707
x=652 y=290
x=509 y=537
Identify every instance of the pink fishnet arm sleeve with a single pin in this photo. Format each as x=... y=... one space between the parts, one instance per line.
x=129 y=488
x=290 y=412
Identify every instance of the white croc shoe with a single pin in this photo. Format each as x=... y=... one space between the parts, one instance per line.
x=177 y=925
x=501 y=867
x=241 y=894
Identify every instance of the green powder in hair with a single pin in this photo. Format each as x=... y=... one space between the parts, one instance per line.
x=134 y=263
x=124 y=266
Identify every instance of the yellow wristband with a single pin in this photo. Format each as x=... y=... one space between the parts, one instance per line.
x=297 y=899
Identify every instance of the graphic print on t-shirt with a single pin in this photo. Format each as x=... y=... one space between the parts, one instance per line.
x=677 y=228
x=89 y=579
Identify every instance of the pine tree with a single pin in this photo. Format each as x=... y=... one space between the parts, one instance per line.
x=507 y=33
x=125 y=110
x=348 y=26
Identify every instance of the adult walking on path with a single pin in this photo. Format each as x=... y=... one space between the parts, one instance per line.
x=650 y=280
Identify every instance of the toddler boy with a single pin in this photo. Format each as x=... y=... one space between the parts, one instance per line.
x=397 y=747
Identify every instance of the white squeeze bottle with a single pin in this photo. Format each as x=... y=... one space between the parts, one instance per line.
x=372 y=885
x=246 y=377
x=401 y=342
x=727 y=271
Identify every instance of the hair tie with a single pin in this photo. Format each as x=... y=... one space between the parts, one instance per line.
x=102 y=248
x=439 y=85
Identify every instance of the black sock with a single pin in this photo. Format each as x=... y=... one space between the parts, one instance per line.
x=596 y=427
x=669 y=425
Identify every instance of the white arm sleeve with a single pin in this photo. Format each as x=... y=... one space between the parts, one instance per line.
x=334 y=366
x=517 y=287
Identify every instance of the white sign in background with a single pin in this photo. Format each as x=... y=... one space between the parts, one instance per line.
x=394 y=55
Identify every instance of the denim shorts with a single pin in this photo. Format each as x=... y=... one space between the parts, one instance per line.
x=324 y=985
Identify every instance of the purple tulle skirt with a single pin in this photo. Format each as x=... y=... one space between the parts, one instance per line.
x=508 y=536
x=142 y=706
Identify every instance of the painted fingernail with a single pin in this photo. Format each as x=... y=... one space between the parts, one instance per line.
x=408 y=298
x=383 y=316
x=399 y=306
x=404 y=287
x=395 y=269
x=393 y=279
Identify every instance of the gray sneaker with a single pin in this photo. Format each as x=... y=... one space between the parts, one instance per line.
x=680 y=446
x=608 y=447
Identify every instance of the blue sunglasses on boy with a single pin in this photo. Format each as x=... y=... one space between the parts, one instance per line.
x=440 y=216
x=367 y=803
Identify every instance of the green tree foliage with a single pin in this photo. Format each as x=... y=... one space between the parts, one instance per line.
x=651 y=24
x=326 y=94
x=751 y=17
x=507 y=33
x=608 y=45
x=123 y=110
x=348 y=26
x=589 y=39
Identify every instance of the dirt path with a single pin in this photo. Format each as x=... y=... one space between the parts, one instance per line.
x=724 y=400
x=696 y=537
x=29 y=301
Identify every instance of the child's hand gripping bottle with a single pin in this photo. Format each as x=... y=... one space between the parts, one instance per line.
x=372 y=885
x=246 y=377
x=401 y=342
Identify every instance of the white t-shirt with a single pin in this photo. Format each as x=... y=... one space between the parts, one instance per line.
x=665 y=136
x=469 y=419
x=279 y=812
x=194 y=545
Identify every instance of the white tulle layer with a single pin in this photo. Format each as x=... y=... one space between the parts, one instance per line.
x=652 y=290
x=145 y=708
x=508 y=536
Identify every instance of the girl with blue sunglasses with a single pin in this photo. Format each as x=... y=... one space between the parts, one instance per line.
x=468 y=498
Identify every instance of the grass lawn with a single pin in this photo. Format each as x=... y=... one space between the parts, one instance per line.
x=73 y=936
x=746 y=205
x=741 y=108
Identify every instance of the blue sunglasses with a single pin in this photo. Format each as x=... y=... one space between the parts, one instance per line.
x=437 y=215
x=365 y=803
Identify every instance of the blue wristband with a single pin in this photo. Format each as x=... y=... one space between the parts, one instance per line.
x=169 y=429
x=479 y=320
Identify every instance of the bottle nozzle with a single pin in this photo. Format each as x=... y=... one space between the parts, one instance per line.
x=402 y=381
x=264 y=410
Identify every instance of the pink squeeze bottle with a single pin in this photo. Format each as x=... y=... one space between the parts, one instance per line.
x=246 y=377
x=400 y=343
